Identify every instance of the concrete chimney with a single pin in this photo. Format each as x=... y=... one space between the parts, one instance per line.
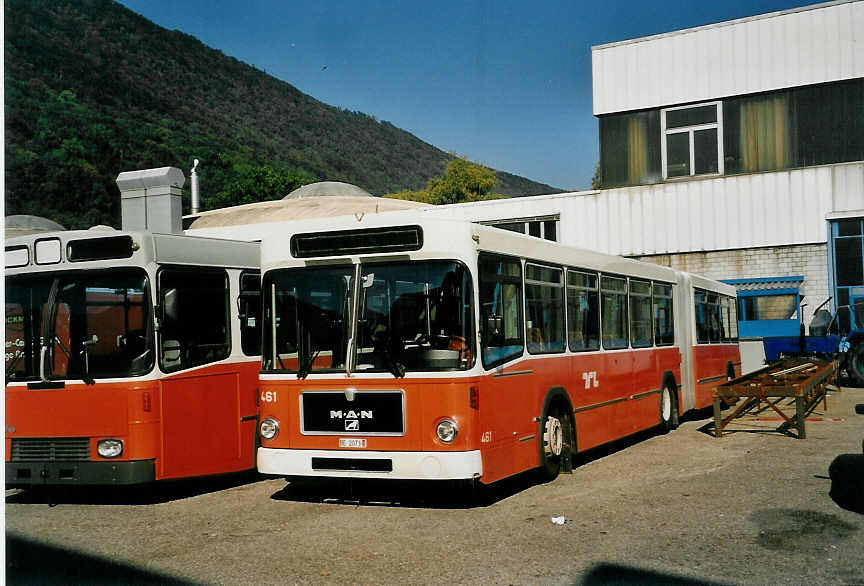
x=150 y=200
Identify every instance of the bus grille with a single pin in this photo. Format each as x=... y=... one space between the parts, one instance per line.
x=50 y=449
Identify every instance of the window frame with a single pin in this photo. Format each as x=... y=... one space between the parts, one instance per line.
x=690 y=130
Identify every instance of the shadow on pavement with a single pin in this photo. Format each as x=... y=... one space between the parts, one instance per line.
x=30 y=562
x=158 y=492
x=602 y=574
x=430 y=493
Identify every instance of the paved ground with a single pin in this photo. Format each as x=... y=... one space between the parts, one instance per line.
x=751 y=508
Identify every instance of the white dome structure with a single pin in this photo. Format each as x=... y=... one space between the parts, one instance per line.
x=21 y=225
x=328 y=189
x=316 y=200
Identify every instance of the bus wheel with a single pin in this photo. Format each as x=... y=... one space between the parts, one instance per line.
x=554 y=429
x=667 y=408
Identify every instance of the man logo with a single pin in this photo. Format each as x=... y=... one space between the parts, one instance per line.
x=352 y=425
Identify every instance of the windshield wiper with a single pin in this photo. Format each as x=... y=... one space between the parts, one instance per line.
x=303 y=372
x=396 y=368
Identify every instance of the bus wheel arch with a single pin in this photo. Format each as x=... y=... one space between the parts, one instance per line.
x=670 y=413
x=556 y=434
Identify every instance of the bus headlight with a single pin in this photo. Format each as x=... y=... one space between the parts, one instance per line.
x=269 y=428
x=446 y=431
x=109 y=448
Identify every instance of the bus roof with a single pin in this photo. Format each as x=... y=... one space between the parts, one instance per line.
x=448 y=238
x=104 y=248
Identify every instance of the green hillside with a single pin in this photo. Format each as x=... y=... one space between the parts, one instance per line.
x=93 y=89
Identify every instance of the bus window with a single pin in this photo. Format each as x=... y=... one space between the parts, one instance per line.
x=414 y=316
x=702 y=319
x=724 y=319
x=733 y=319
x=664 y=325
x=500 y=309
x=544 y=308
x=309 y=313
x=194 y=320
x=715 y=324
x=100 y=325
x=641 y=335
x=583 y=315
x=250 y=313
x=613 y=303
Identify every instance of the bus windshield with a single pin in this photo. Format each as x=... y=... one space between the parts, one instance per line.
x=92 y=324
x=383 y=317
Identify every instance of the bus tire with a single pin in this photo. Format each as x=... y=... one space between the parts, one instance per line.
x=556 y=441
x=667 y=409
x=855 y=364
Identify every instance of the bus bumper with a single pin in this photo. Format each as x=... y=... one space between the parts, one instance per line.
x=356 y=464
x=28 y=474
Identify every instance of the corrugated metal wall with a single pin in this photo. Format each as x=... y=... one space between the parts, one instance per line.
x=732 y=212
x=792 y=48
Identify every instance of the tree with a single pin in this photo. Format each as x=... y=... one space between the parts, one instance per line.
x=250 y=183
x=461 y=181
x=597 y=178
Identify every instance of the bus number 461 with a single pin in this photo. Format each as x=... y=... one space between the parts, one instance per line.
x=268 y=396
x=590 y=379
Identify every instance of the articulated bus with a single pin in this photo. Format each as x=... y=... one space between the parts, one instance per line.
x=131 y=357
x=440 y=350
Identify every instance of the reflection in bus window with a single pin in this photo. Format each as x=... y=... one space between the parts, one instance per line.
x=194 y=325
x=544 y=307
x=613 y=302
x=583 y=314
x=500 y=309
x=664 y=324
x=640 y=314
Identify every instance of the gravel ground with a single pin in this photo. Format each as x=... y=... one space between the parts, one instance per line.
x=750 y=508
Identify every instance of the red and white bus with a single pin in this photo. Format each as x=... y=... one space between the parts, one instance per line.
x=131 y=357
x=441 y=350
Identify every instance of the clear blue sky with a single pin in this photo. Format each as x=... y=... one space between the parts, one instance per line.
x=504 y=83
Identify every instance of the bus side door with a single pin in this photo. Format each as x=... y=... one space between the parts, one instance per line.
x=201 y=404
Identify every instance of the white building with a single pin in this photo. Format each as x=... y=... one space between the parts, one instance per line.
x=734 y=150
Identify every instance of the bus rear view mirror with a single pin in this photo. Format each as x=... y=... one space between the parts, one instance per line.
x=493 y=325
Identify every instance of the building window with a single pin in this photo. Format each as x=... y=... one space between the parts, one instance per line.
x=545 y=227
x=692 y=140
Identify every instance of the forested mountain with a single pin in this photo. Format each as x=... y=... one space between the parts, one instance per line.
x=93 y=89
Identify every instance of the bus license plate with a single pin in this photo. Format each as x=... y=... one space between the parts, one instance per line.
x=352 y=442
